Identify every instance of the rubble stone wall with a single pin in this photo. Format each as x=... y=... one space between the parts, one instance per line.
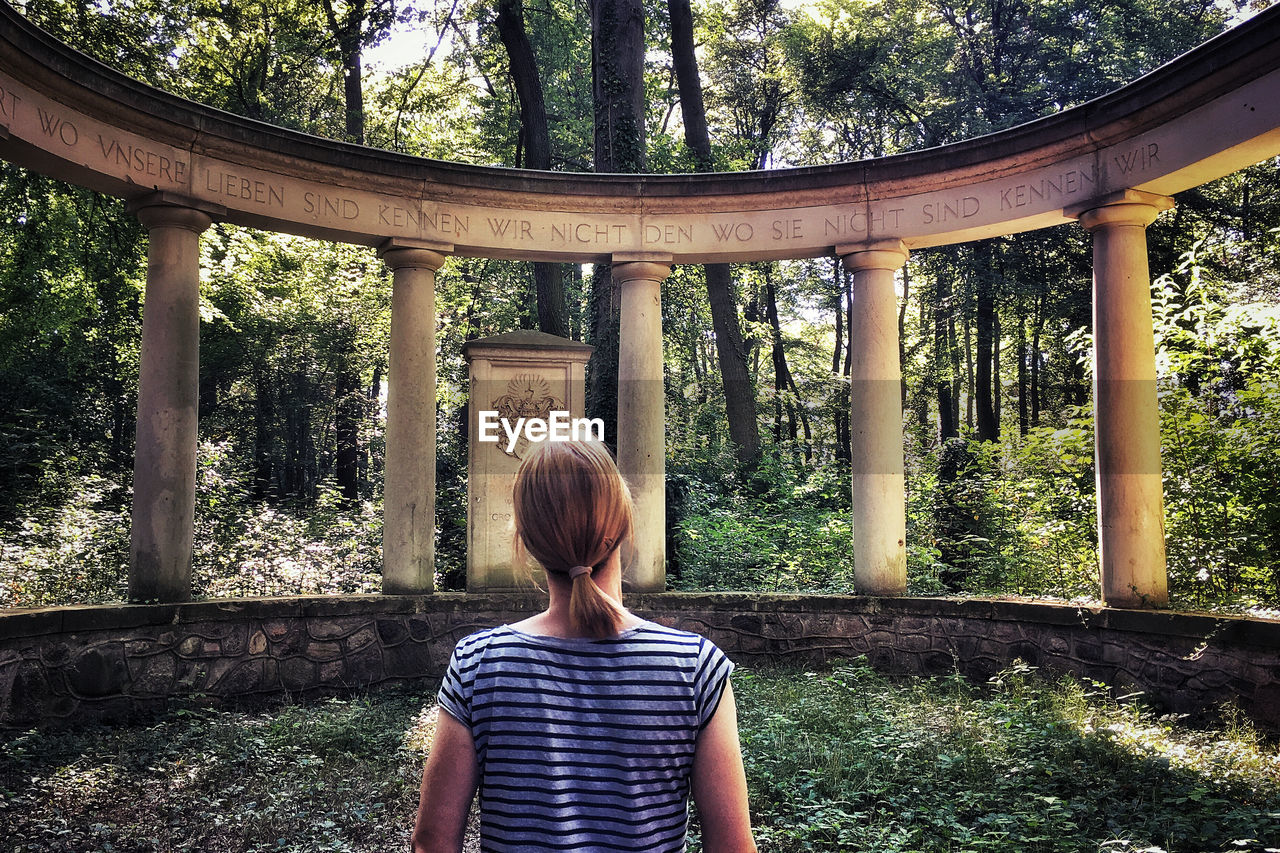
x=65 y=665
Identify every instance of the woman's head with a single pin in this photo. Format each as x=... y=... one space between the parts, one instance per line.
x=572 y=508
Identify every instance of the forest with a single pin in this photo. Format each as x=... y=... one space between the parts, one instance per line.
x=994 y=336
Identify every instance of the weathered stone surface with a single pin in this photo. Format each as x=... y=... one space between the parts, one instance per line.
x=360 y=638
x=46 y=676
x=410 y=660
x=277 y=629
x=421 y=630
x=243 y=678
x=154 y=675
x=234 y=639
x=334 y=628
x=99 y=671
x=364 y=666
x=297 y=674
x=391 y=632
x=323 y=651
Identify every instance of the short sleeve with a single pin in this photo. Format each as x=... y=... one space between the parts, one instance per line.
x=456 y=688
x=710 y=680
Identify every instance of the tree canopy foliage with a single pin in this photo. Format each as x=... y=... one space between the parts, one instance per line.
x=995 y=339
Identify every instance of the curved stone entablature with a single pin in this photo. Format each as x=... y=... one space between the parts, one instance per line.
x=1212 y=111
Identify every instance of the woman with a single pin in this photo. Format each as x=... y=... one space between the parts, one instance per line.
x=585 y=728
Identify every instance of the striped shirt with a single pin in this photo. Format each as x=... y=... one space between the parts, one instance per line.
x=585 y=745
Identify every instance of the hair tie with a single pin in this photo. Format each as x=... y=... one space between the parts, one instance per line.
x=579 y=570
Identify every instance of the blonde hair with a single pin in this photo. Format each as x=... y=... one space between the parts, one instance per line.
x=572 y=508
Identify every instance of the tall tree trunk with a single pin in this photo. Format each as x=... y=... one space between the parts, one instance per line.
x=348 y=412
x=996 y=387
x=263 y=432
x=902 y=331
x=1024 y=420
x=968 y=371
x=838 y=349
x=739 y=391
x=548 y=278
x=848 y=324
x=617 y=88
x=982 y=380
x=617 y=74
x=1035 y=359
x=942 y=361
x=782 y=381
x=348 y=34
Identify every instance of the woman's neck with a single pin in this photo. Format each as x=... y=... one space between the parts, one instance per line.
x=555 y=620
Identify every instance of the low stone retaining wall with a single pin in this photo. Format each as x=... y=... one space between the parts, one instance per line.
x=65 y=665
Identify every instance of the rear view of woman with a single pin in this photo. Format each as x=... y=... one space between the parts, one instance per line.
x=584 y=728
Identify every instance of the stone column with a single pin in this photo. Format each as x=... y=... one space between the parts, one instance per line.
x=1131 y=548
x=875 y=424
x=164 y=468
x=409 y=490
x=642 y=415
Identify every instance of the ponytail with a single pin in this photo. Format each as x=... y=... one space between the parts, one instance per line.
x=591 y=612
x=572 y=511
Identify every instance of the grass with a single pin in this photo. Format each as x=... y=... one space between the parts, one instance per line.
x=840 y=760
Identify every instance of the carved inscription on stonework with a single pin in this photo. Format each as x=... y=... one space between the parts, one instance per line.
x=233 y=186
x=1137 y=159
x=8 y=104
x=143 y=164
x=803 y=229
x=1048 y=189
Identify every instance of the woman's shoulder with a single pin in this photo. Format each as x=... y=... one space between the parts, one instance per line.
x=692 y=643
x=478 y=641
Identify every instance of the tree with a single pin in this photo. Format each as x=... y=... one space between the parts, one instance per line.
x=617 y=75
x=739 y=390
x=536 y=139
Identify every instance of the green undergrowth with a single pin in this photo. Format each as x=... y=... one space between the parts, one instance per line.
x=854 y=760
x=840 y=760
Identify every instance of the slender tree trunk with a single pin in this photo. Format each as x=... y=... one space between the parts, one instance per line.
x=617 y=75
x=968 y=372
x=739 y=391
x=942 y=361
x=838 y=348
x=548 y=278
x=348 y=413
x=997 y=389
x=848 y=324
x=982 y=374
x=1024 y=420
x=263 y=431
x=902 y=329
x=782 y=381
x=1035 y=361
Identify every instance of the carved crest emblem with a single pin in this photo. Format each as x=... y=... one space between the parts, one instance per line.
x=528 y=396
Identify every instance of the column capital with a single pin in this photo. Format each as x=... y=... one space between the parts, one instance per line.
x=877 y=255
x=1126 y=207
x=641 y=266
x=399 y=253
x=170 y=210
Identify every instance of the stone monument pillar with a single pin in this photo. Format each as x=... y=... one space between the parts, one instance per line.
x=642 y=433
x=524 y=374
x=164 y=472
x=1131 y=548
x=875 y=423
x=409 y=490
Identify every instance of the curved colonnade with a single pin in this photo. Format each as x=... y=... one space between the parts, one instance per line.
x=1111 y=164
